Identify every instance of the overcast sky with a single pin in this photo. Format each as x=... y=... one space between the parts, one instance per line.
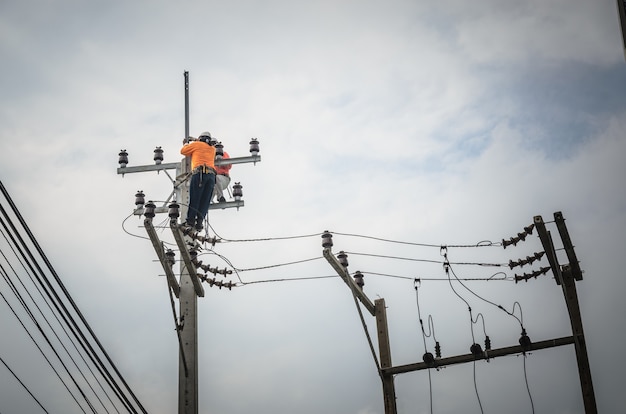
x=440 y=123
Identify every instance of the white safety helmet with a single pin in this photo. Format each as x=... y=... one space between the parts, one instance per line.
x=205 y=137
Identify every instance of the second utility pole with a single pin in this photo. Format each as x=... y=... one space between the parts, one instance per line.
x=379 y=311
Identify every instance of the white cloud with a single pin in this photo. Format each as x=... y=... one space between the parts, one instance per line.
x=378 y=119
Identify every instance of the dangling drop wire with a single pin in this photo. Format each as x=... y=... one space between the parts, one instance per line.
x=446 y=268
x=431 y=331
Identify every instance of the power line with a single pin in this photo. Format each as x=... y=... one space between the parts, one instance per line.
x=431 y=331
x=264 y=239
x=483 y=243
x=295 y=279
x=530 y=396
x=448 y=269
x=278 y=264
x=41 y=351
x=23 y=385
x=411 y=259
x=29 y=312
x=493 y=277
x=62 y=309
x=27 y=309
x=480 y=404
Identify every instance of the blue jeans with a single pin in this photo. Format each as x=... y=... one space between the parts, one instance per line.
x=200 y=194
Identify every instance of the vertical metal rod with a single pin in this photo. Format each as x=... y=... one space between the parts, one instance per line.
x=186 y=104
x=188 y=302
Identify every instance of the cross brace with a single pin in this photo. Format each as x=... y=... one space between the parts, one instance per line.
x=183 y=246
x=160 y=251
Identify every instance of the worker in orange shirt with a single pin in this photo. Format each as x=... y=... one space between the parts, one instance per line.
x=202 y=153
x=222 y=177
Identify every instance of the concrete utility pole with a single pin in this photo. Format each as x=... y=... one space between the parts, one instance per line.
x=565 y=276
x=189 y=286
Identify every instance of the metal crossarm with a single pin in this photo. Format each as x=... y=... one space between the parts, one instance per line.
x=511 y=350
x=144 y=168
x=212 y=206
x=175 y=165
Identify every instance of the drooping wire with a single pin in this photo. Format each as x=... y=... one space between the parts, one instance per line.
x=262 y=239
x=23 y=385
x=225 y=259
x=384 y=240
x=411 y=259
x=475 y=321
x=447 y=270
x=446 y=267
x=237 y=270
x=431 y=331
x=504 y=278
x=279 y=264
x=129 y=233
x=532 y=404
x=431 y=326
x=160 y=226
x=483 y=243
x=480 y=404
x=242 y=283
x=512 y=313
x=290 y=279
